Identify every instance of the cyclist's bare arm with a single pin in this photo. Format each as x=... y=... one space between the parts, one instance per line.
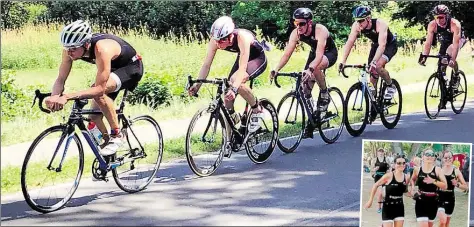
x=442 y=179
x=64 y=70
x=462 y=183
x=321 y=34
x=350 y=41
x=382 y=29
x=104 y=55
x=429 y=37
x=244 y=40
x=414 y=176
x=290 y=47
x=456 y=29
x=383 y=180
x=211 y=52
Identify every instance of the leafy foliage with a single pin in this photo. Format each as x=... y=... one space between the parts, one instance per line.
x=150 y=92
x=420 y=12
x=13 y=98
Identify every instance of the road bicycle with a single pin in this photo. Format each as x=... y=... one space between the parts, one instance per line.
x=58 y=150
x=294 y=107
x=439 y=90
x=213 y=134
x=362 y=106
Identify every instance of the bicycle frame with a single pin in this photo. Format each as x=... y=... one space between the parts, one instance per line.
x=76 y=118
x=364 y=81
x=440 y=71
x=299 y=95
x=218 y=105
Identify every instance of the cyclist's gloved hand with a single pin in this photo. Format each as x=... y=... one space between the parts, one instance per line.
x=422 y=59
x=451 y=63
x=341 y=66
x=193 y=90
x=273 y=73
x=373 y=67
x=307 y=74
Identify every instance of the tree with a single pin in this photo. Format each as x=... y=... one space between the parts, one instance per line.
x=420 y=12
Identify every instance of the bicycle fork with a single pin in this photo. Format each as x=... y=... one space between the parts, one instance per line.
x=70 y=136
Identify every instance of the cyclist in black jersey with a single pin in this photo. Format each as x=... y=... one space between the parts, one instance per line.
x=454 y=178
x=384 y=45
x=323 y=55
x=379 y=168
x=395 y=184
x=429 y=179
x=119 y=66
x=250 y=63
x=451 y=36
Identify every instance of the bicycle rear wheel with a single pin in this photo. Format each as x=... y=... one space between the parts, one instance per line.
x=291 y=113
x=141 y=157
x=206 y=142
x=332 y=120
x=356 y=110
x=261 y=144
x=36 y=177
x=434 y=95
x=459 y=94
x=391 y=109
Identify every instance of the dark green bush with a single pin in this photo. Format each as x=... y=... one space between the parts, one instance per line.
x=151 y=91
x=13 y=98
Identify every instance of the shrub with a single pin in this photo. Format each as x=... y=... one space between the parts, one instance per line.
x=150 y=91
x=13 y=98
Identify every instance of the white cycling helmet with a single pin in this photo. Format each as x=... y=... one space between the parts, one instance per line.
x=222 y=27
x=76 y=34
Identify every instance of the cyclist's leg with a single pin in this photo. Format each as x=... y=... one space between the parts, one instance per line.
x=450 y=49
x=255 y=67
x=329 y=59
x=390 y=51
x=308 y=84
x=123 y=78
x=443 y=50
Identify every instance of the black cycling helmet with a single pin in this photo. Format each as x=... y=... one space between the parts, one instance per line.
x=441 y=9
x=303 y=13
x=361 y=12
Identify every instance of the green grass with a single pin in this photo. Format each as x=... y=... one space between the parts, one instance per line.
x=34 y=53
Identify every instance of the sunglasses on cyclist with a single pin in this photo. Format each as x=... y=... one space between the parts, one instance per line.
x=441 y=17
x=429 y=154
x=71 y=49
x=401 y=163
x=451 y=157
x=299 y=23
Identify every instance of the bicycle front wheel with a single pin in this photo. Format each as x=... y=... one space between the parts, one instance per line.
x=292 y=116
x=434 y=96
x=356 y=108
x=391 y=109
x=139 y=160
x=206 y=142
x=261 y=144
x=331 y=121
x=459 y=94
x=49 y=181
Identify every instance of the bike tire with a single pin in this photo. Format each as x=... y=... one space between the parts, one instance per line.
x=357 y=87
x=383 y=117
x=324 y=133
x=189 y=156
x=156 y=165
x=433 y=78
x=24 y=187
x=461 y=108
x=259 y=158
x=299 y=103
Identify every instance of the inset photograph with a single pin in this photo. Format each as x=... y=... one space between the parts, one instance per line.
x=415 y=183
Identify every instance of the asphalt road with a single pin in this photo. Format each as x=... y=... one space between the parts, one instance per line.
x=319 y=184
